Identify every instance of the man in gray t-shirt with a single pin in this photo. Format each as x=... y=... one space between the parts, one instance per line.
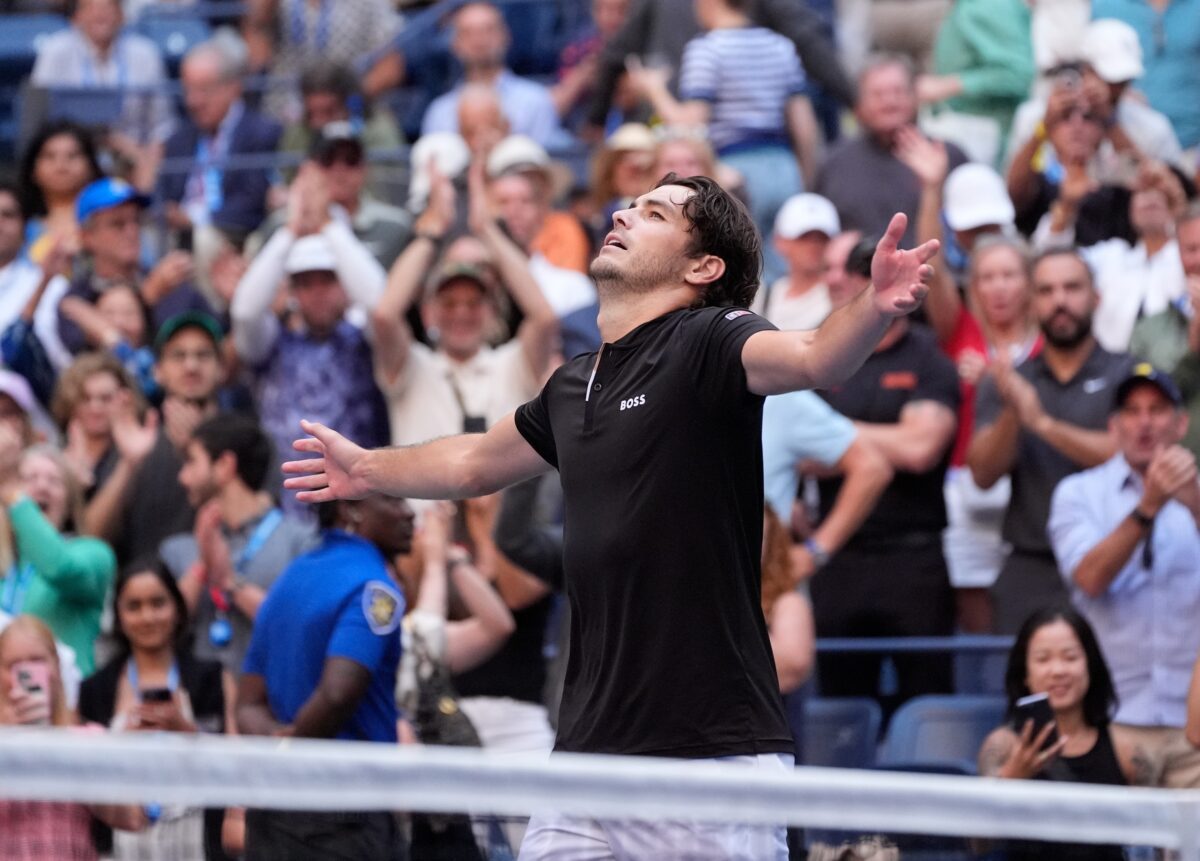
x=1040 y=422
x=241 y=542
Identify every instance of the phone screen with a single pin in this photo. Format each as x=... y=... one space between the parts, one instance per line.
x=1036 y=708
x=156 y=695
x=31 y=676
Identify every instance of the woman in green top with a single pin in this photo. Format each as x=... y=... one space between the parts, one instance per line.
x=61 y=580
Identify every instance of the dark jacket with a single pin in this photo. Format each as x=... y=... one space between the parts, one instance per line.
x=243 y=190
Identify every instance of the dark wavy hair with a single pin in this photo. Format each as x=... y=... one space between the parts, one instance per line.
x=1100 y=701
x=721 y=226
x=32 y=199
x=154 y=567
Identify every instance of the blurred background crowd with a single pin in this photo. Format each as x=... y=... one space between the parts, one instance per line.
x=218 y=218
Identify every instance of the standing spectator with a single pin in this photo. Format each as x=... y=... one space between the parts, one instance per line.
x=1126 y=537
x=19 y=278
x=36 y=830
x=463 y=385
x=800 y=299
x=95 y=52
x=903 y=402
x=322 y=366
x=142 y=501
x=110 y=218
x=150 y=627
x=480 y=43
x=59 y=162
x=864 y=177
x=241 y=541
x=322 y=664
x=329 y=93
x=745 y=84
x=1169 y=31
x=982 y=71
x=1041 y=421
x=50 y=574
x=218 y=126
x=1112 y=64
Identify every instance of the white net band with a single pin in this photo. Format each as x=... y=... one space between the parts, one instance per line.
x=321 y=775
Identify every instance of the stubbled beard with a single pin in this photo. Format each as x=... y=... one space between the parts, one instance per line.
x=612 y=279
x=1067 y=341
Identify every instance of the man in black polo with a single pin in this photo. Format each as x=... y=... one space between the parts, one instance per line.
x=1041 y=422
x=657 y=438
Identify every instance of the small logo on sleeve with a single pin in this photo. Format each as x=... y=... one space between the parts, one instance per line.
x=733 y=315
x=635 y=401
x=383 y=607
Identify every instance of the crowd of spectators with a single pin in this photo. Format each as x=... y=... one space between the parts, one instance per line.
x=183 y=284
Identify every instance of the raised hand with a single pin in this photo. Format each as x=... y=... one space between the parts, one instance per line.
x=337 y=472
x=924 y=157
x=134 y=441
x=901 y=278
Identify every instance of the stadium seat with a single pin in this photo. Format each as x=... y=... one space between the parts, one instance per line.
x=19 y=40
x=940 y=732
x=174 y=35
x=840 y=733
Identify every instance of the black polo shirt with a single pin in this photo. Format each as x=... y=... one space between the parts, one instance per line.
x=1086 y=401
x=660 y=453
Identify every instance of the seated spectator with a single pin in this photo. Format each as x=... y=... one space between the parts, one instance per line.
x=284 y=37
x=60 y=579
x=321 y=368
x=800 y=299
x=110 y=217
x=620 y=171
x=36 y=830
x=787 y=611
x=218 y=126
x=579 y=61
x=95 y=52
x=150 y=627
x=1041 y=421
x=241 y=541
x=58 y=163
x=142 y=501
x=329 y=93
x=19 y=277
x=1112 y=64
x=864 y=177
x=322 y=664
x=1134 y=279
x=745 y=84
x=479 y=43
x=982 y=70
x=1125 y=536
x=462 y=385
x=903 y=402
x=1056 y=653
x=1169 y=85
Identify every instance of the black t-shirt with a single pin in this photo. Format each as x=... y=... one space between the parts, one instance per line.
x=518 y=670
x=660 y=455
x=913 y=369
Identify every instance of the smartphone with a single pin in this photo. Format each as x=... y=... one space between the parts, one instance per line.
x=33 y=677
x=1036 y=708
x=156 y=695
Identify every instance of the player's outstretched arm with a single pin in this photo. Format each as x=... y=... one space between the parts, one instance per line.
x=778 y=362
x=453 y=467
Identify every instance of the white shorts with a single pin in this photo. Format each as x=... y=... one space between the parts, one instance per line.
x=555 y=837
x=971 y=543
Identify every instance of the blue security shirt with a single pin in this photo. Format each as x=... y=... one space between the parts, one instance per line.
x=335 y=602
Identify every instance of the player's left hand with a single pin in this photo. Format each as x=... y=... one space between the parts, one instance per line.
x=901 y=278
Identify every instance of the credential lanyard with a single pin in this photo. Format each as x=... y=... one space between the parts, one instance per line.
x=90 y=76
x=258 y=539
x=131 y=673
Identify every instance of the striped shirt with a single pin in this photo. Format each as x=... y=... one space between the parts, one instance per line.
x=747 y=75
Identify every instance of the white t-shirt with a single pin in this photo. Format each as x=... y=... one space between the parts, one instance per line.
x=807 y=310
x=422 y=402
x=18 y=281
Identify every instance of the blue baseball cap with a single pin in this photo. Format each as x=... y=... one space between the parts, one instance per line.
x=105 y=194
x=1144 y=373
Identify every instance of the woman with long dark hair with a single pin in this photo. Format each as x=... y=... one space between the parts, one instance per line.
x=55 y=167
x=1056 y=653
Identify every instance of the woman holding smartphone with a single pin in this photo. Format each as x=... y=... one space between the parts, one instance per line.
x=153 y=683
x=31 y=694
x=1056 y=654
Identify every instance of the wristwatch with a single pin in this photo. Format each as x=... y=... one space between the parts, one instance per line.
x=1141 y=518
x=819 y=554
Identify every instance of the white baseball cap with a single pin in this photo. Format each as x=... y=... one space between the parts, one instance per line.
x=976 y=196
x=805 y=213
x=310 y=254
x=1112 y=48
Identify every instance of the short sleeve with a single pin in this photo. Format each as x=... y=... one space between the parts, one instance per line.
x=711 y=341
x=987 y=403
x=368 y=625
x=699 y=71
x=533 y=423
x=939 y=383
x=797 y=82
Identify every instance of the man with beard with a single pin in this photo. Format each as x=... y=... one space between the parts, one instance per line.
x=1041 y=422
x=656 y=436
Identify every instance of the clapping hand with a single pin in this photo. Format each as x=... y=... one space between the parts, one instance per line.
x=926 y=158
x=134 y=440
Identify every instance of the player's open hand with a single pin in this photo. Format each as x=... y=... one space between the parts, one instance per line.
x=901 y=278
x=337 y=471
